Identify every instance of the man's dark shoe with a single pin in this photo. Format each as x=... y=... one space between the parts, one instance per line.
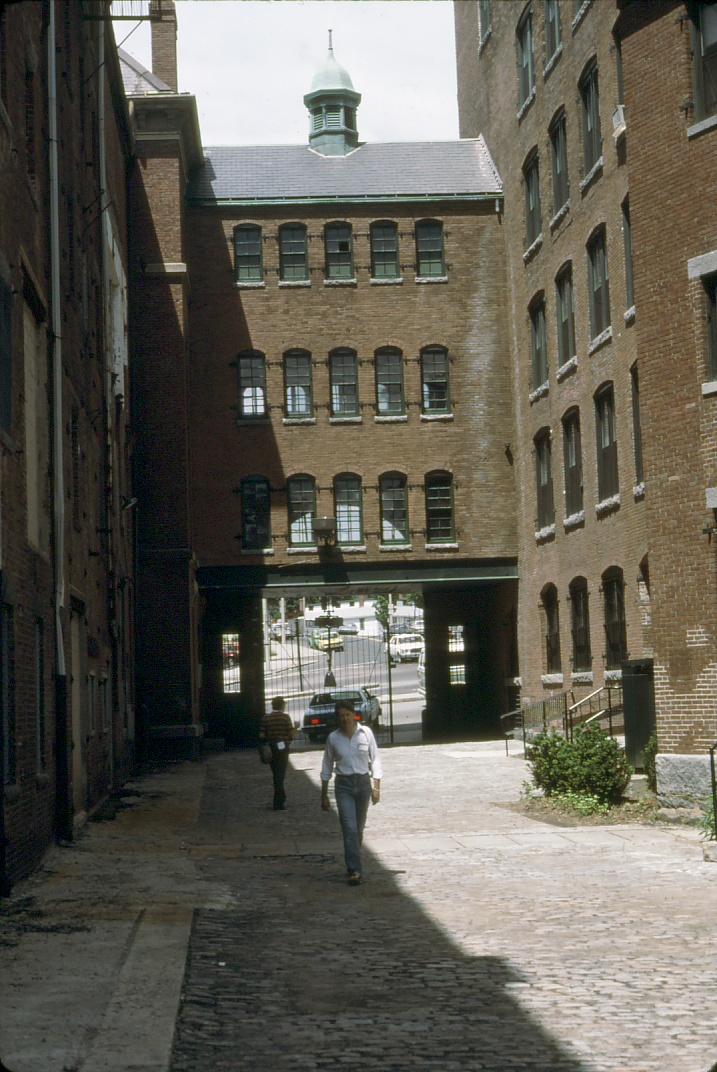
x=354 y=878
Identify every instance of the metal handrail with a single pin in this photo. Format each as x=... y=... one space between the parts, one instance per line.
x=608 y=691
x=714 y=787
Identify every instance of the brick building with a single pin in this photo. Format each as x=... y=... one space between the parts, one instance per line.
x=600 y=119
x=65 y=540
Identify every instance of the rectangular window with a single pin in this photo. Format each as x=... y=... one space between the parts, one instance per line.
x=598 y=285
x=636 y=426
x=344 y=385
x=580 y=627
x=339 y=255
x=558 y=144
x=439 y=509
x=573 y=462
x=7 y=694
x=608 y=483
x=704 y=53
x=553 y=662
x=231 y=667
x=565 y=315
x=347 y=494
x=37 y=440
x=429 y=249
x=592 y=140
x=615 y=624
x=544 y=476
x=533 y=221
x=394 y=510
x=5 y=355
x=711 y=301
x=538 y=348
x=248 y=255
x=255 y=514
x=297 y=385
x=301 y=496
x=252 y=386
x=526 y=64
x=40 y=721
x=384 y=251
x=293 y=255
x=627 y=238
x=552 y=28
x=389 y=385
x=30 y=150
x=434 y=381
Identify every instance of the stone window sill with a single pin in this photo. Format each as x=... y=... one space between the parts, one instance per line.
x=709 y=389
x=345 y=420
x=287 y=284
x=573 y=520
x=308 y=549
x=553 y=60
x=551 y=680
x=608 y=506
x=392 y=420
x=259 y=551
x=431 y=279
x=580 y=14
x=513 y=682
x=298 y=420
x=249 y=422
x=710 y=123
x=436 y=416
x=560 y=215
x=340 y=282
x=567 y=368
x=442 y=546
x=592 y=174
x=613 y=675
x=533 y=248
x=629 y=315
x=525 y=105
x=352 y=548
x=599 y=341
x=638 y=492
x=249 y=286
x=581 y=677
x=395 y=547
x=546 y=533
x=386 y=282
x=539 y=392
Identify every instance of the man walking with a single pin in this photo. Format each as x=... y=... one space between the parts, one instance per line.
x=277 y=730
x=352 y=751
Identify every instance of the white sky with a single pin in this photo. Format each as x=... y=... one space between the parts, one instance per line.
x=250 y=62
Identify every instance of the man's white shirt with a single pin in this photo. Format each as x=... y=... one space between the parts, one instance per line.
x=350 y=755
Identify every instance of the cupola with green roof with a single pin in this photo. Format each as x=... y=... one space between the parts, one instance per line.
x=332 y=102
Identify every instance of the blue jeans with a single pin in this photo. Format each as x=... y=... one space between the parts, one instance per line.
x=353 y=793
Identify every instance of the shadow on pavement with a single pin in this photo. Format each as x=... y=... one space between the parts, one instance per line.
x=307 y=973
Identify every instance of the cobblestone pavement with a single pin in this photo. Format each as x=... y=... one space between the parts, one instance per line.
x=197 y=929
x=480 y=940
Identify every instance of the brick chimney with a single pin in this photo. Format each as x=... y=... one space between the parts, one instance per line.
x=164 y=41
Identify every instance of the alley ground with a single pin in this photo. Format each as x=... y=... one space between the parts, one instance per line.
x=197 y=929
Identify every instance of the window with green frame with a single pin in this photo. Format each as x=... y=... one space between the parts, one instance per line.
x=389 y=383
x=255 y=513
x=301 y=503
x=394 y=509
x=248 y=254
x=435 y=393
x=298 y=401
x=440 y=526
x=430 y=261
x=293 y=253
x=349 y=513
x=339 y=251
x=343 y=376
x=384 y=250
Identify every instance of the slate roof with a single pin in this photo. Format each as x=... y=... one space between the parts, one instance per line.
x=374 y=171
x=137 y=80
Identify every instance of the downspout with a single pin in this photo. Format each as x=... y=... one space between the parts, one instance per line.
x=63 y=743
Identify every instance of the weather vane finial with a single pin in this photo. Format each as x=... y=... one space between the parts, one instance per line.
x=331 y=47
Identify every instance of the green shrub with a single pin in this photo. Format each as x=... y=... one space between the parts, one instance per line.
x=707 y=822
x=648 y=760
x=582 y=803
x=592 y=765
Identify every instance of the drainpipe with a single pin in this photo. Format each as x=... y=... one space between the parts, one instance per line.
x=63 y=807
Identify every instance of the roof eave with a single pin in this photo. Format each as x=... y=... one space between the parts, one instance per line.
x=240 y=202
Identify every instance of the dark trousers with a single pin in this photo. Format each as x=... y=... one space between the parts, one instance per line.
x=279 y=763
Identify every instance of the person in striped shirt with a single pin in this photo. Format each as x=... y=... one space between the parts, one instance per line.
x=278 y=731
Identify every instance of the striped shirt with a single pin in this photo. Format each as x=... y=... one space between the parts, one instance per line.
x=276 y=726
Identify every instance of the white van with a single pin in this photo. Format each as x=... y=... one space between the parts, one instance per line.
x=422 y=673
x=404 y=647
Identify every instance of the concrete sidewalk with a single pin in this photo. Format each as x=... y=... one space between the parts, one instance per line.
x=198 y=929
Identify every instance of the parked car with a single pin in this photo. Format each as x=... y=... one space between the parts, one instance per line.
x=348 y=629
x=320 y=718
x=325 y=639
x=403 y=647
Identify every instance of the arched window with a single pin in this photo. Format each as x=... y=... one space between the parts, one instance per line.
x=255 y=513
x=298 y=400
x=559 y=156
x=430 y=259
x=606 y=435
x=580 y=624
x=248 y=254
x=590 y=97
x=533 y=214
x=440 y=526
x=538 y=343
x=394 y=509
x=349 y=513
x=251 y=367
x=526 y=56
x=549 y=602
x=338 y=246
x=293 y=253
x=572 y=463
x=384 y=250
x=343 y=374
x=613 y=593
x=389 y=383
x=544 y=478
x=435 y=394
x=565 y=312
x=598 y=283
x=301 y=503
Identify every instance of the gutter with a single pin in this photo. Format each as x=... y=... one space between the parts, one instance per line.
x=365 y=199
